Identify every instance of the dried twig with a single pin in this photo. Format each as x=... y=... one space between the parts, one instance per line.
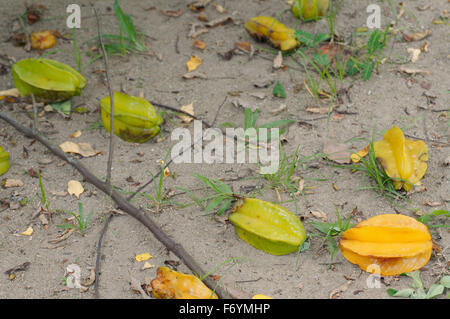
x=97 y=260
x=111 y=96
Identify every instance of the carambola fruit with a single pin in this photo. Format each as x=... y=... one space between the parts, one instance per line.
x=266 y=28
x=49 y=80
x=389 y=244
x=4 y=161
x=171 y=284
x=267 y=226
x=135 y=119
x=309 y=10
x=405 y=161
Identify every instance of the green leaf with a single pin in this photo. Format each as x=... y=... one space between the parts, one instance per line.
x=321 y=37
x=425 y=219
x=434 y=291
x=63 y=107
x=278 y=90
x=419 y=294
x=367 y=69
x=445 y=281
x=401 y=293
x=125 y=22
x=352 y=67
x=374 y=43
x=305 y=38
x=321 y=59
x=417 y=281
x=213 y=204
x=225 y=206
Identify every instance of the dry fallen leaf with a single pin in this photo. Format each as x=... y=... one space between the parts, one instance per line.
x=336 y=152
x=28 y=232
x=189 y=108
x=147 y=265
x=337 y=292
x=356 y=157
x=63 y=236
x=195 y=74
x=280 y=109
x=278 y=61
x=432 y=204
x=143 y=257
x=75 y=134
x=320 y=215
x=218 y=21
x=414 y=54
x=193 y=63
x=172 y=13
x=319 y=110
x=11 y=92
x=413 y=71
x=199 y=44
x=83 y=149
x=417 y=36
x=42 y=40
x=9 y=182
x=219 y=8
x=90 y=281
x=75 y=188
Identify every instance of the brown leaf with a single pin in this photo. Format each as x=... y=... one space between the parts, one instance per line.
x=63 y=236
x=11 y=92
x=189 y=108
x=172 y=13
x=199 y=44
x=319 y=110
x=219 y=8
x=83 y=149
x=219 y=21
x=91 y=279
x=335 y=293
x=278 y=61
x=432 y=204
x=412 y=71
x=320 y=215
x=75 y=188
x=336 y=152
x=417 y=36
x=195 y=74
x=9 y=182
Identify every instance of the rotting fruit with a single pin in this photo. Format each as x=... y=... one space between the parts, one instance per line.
x=387 y=244
x=4 y=161
x=402 y=158
x=266 y=28
x=49 y=80
x=135 y=119
x=171 y=284
x=267 y=226
x=310 y=10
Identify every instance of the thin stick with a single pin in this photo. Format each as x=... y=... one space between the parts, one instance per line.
x=123 y=204
x=111 y=97
x=97 y=260
x=35 y=119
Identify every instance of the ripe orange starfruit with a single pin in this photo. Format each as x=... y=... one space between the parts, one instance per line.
x=171 y=284
x=387 y=244
x=402 y=159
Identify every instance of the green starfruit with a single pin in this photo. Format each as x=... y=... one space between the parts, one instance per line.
x=135 y=119
x=267 y=226
x=4 y=161
x=310 y=10
x=49 y=80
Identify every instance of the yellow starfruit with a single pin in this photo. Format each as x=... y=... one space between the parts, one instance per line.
x=48 y=80
x=267 y=226
x=171 y=284
x=4 y=161
x=309 y=10
x=135 y=119
x=401 y=158
x=266 y=28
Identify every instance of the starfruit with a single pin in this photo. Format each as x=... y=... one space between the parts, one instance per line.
x=48 y=80
x=171 y=284
x=401 y=159
x=388 y=244
x=266 y=28
x=4 y=161
x=135 y=119
x=267 y=226
x=309 y=10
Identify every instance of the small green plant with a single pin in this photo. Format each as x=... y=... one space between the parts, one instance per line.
x=44 y=199
x=128 y=40
x=331 y=232
x=425 y=219
x=223 y=196
x=417 y=290
x=158 y=198
x=372 y=56
x=81 y=221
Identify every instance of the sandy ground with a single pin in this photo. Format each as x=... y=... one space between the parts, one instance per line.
x=388 y=98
